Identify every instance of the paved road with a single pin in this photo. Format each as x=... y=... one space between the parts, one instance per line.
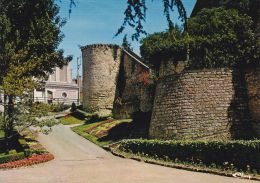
x=79 y=161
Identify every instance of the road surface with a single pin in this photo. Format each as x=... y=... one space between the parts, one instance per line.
x=79 y=161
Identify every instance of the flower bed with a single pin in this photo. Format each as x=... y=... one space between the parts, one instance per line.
x=89 y=129
x=34 y=159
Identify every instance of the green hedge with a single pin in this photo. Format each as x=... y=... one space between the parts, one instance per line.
x=242 y=155
x=12 y=157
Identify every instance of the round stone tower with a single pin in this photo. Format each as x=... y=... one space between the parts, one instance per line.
x=100 y=70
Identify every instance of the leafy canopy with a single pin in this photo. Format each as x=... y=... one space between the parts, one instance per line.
x=215 y=37
x=135 y=15
x=168 y=45
x=29 y=38
x=221 y=38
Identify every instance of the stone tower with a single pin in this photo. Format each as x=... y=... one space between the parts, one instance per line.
x=100 y=69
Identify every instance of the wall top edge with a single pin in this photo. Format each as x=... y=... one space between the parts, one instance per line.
x=99 y=45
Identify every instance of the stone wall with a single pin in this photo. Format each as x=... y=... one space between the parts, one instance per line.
x=253 y=85
x=110 y=82
x=202 y=104
x=131 y=94
x=100 y=70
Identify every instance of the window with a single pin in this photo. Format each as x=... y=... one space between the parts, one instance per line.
x=64 y=95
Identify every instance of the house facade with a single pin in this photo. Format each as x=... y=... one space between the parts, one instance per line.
x=59 y=88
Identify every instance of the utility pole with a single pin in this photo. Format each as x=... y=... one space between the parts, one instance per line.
x=78 y=79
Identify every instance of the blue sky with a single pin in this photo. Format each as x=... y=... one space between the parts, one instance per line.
x=96 y=21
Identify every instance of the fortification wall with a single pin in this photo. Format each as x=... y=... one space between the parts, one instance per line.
x=110 y=82
x=202 y=104
x=100 y=70
x=253 y=86
x=131 y=95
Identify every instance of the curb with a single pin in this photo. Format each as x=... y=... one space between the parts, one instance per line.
x=182 y=167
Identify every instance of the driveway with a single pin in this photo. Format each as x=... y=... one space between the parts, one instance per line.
x=79 y=161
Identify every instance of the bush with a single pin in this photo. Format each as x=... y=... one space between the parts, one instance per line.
x=23 y=143
x=40 y=109
x=239 y=154
x=12 y=157
x=92 y=118
x=59 y=107
x=73 y=107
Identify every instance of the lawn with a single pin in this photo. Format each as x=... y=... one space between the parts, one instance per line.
x=105 y=132
x=70 y=120
x=73 y=118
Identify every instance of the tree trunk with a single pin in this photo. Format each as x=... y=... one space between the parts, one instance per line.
x=8 y=120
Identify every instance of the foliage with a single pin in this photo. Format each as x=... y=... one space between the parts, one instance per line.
x=29 y=39
x=70 y=120
x=221 y=38
x=95 y=118
x=73 y=107
x=12 y=157
x=1 y=134
x=135 y=15
x=145 y=78
x=168 y=45
x=34 y=159
x=104 y=132
x=59 y=107
x=40 y=109
x=240 y=154
x=214 y=38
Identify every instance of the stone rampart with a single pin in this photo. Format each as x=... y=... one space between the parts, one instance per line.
x=201 y=104
x=253 y=86
x=100 y=70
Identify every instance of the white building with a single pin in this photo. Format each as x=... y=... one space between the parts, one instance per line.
x=59 y=88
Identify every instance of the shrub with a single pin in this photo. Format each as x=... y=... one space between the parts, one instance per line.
x=241 y=154
x=59 y=107
x=12 y=157
x=73 y=107
x=95 y=118
x=40 y=109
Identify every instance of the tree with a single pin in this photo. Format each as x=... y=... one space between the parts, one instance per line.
x=125 y=43
x=168 y=45
x=135 y=15
x=215 y=38
x=29 y=37
x=222 y=38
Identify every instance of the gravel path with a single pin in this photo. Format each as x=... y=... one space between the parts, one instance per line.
x=79 y=161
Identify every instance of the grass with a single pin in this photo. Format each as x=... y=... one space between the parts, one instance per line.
x=70 y=120
x=106 y=132
x=22 y=146
x=77 y=117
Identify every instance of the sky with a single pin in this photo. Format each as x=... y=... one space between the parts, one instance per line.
x=97 y=21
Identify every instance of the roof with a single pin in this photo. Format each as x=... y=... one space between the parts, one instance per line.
x=135 y=57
